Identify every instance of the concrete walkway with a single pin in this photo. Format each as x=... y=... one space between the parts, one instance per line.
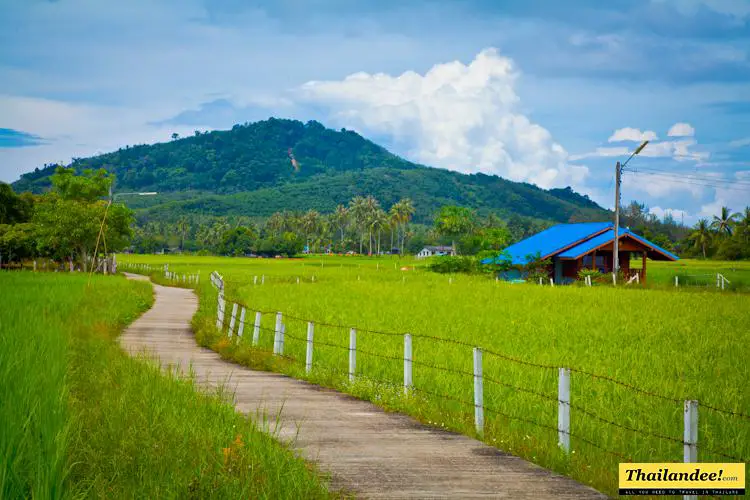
x=367 y=451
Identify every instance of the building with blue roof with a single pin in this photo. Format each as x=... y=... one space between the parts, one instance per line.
x=588 y=245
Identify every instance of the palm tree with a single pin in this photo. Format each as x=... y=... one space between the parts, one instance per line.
x=379 y=221
x=404 y=210
x=358 y=212
x=310 y=222
x=744 y=223
x=724 y=222
x=183 y=226
x=340 y=219
x=701 y=237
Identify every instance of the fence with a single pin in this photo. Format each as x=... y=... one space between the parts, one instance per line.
x=566 y=406
x=702 y=280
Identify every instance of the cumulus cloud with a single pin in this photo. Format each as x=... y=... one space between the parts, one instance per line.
x=677 y=214
x=681 y=130
x=632 y=134
x=463 y=117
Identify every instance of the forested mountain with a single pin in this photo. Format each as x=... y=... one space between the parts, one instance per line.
x=259 y=168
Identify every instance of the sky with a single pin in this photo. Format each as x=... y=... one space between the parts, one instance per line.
x=546 y=92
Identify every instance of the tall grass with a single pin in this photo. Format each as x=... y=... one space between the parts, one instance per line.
x=677 y=344
x=80 y=418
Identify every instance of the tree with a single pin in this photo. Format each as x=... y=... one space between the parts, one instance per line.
x=14 y=208
x=723 y=223
x=340 y=220
x=310 y=222
x=358 y=211
x=237 y=241
x=87 y=187
x=183 y=226
x=403 y=211
x=454 y=222
x=701 y=236
x=175 y=136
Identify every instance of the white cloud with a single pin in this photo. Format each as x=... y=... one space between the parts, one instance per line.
x=681 y=130
x=739 y=143
x=462 y=117
x=632 y=134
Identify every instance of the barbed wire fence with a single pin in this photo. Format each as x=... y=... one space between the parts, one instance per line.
x=235 y=326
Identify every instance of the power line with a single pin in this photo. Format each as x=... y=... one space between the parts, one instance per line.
x=667 y=173
x=681 y=180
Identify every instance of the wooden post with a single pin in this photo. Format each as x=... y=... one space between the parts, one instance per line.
x=643 y=267
x=690 y=437
x=478 y=392
x=232 y=320
x=256 y=328
x=407 y=363
x=309 y=354
x=563 y=409
x=352 y=353
x=241 y=328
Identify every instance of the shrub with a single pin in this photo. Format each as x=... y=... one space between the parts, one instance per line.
x=448 y=264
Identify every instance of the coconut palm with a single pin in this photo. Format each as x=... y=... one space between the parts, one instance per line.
x=358 y=212
x=403 y=210
x=183 y=226
x=379 y=221
x=310 y=222
x=340 y=219
x=724 y=222
x=701 y=236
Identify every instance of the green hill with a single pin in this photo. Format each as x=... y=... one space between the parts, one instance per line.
x=249 y=170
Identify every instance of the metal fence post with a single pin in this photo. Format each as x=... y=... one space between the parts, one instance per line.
x=563 y=409
x=478 y=392
x=309 y=353
x=352 y=353
x=407 y=363
x=256 y=328
x=241 y=328
x=690 y=437
x=232 y=320
x=277 y=333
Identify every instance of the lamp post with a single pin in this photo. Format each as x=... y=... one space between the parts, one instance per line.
x=618 y=176
x=112 y=198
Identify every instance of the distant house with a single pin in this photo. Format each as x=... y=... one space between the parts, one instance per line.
x=589 y=245
x=430 y=251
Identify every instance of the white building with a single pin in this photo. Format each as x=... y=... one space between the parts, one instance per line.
x=434 y=252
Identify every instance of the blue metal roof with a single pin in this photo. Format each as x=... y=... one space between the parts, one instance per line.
x=552 y=240
x=570 y=241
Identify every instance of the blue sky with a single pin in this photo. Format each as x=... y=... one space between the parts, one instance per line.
x=540 y=91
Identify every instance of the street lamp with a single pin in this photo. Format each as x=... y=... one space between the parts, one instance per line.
x=112 y=198
x=618 y=174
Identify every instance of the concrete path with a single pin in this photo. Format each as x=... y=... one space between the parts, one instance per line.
x=367 y=451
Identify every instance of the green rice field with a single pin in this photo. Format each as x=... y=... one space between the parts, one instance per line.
x=635 y=353
x=79 y=418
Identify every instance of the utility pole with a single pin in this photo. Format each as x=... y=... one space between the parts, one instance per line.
x=618 y=178
x=616 y=252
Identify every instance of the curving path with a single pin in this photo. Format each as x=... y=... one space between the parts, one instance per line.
x=367 y=451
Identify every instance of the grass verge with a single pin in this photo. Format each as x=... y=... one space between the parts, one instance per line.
x=81 y=418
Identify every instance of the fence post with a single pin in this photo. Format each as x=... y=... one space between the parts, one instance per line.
x=407 y=363
x=241 y=328
x=281 y=339
x=309 y=354
x=352 y=353
x=676 y=281
x=233 y=320
x=277 y=333
x=552 y=282
x=255 y=280
x=478 y=392
x=563 y=409
x=256 y=328
x=220 y=312
x=262 y=279
x=690 y=437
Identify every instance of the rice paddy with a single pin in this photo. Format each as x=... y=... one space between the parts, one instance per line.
x=660 y=346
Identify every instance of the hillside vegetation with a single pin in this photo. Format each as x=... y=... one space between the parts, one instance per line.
x=259 y=168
